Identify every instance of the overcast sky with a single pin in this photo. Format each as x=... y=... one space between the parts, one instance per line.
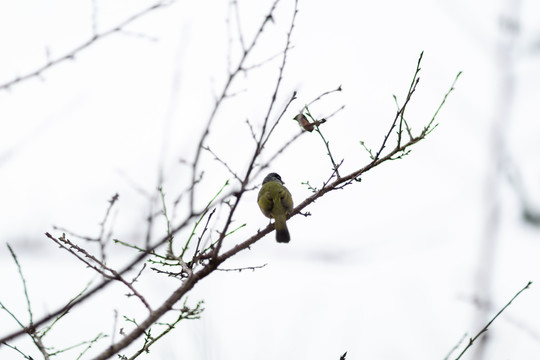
x=388 y=268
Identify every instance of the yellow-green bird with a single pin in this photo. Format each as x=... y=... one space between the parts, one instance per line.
x=276 y=203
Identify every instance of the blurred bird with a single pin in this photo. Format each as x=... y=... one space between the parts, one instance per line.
x=276 y=203
x=305 y=124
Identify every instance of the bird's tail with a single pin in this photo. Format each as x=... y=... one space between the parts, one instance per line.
x=282 y=233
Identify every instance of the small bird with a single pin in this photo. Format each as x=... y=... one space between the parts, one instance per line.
x=276 y=203
x=305 y=124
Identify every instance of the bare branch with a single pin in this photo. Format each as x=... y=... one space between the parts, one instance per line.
x=323 y=95
x=485 y=328
x=252 y=268
x=264 y=136
x=222 y=162
x=103 y=269
x=219 y=100
x=400 y=111
x=70 y=55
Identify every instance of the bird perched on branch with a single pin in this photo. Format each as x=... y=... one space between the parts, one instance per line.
x=305 y=124
x=276 y=203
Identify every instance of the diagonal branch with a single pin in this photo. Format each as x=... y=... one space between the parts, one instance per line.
x=70 y=55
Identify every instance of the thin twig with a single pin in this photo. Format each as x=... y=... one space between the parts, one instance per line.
x=443 y=101
x=219 y=101
x=103 y=269
x=143 y=254
x=102 y=241
x=265 y=61
x=485 y=328
x=185 y=313
x=401 y=110
x=25 y=288
x=252 y=268
x=264 y=135
x=458 y=344
x=70 y=55
x=335 y=166
x=222 y=162
x=323 y=95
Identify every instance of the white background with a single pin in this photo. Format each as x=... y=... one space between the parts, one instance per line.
x=388 y=268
